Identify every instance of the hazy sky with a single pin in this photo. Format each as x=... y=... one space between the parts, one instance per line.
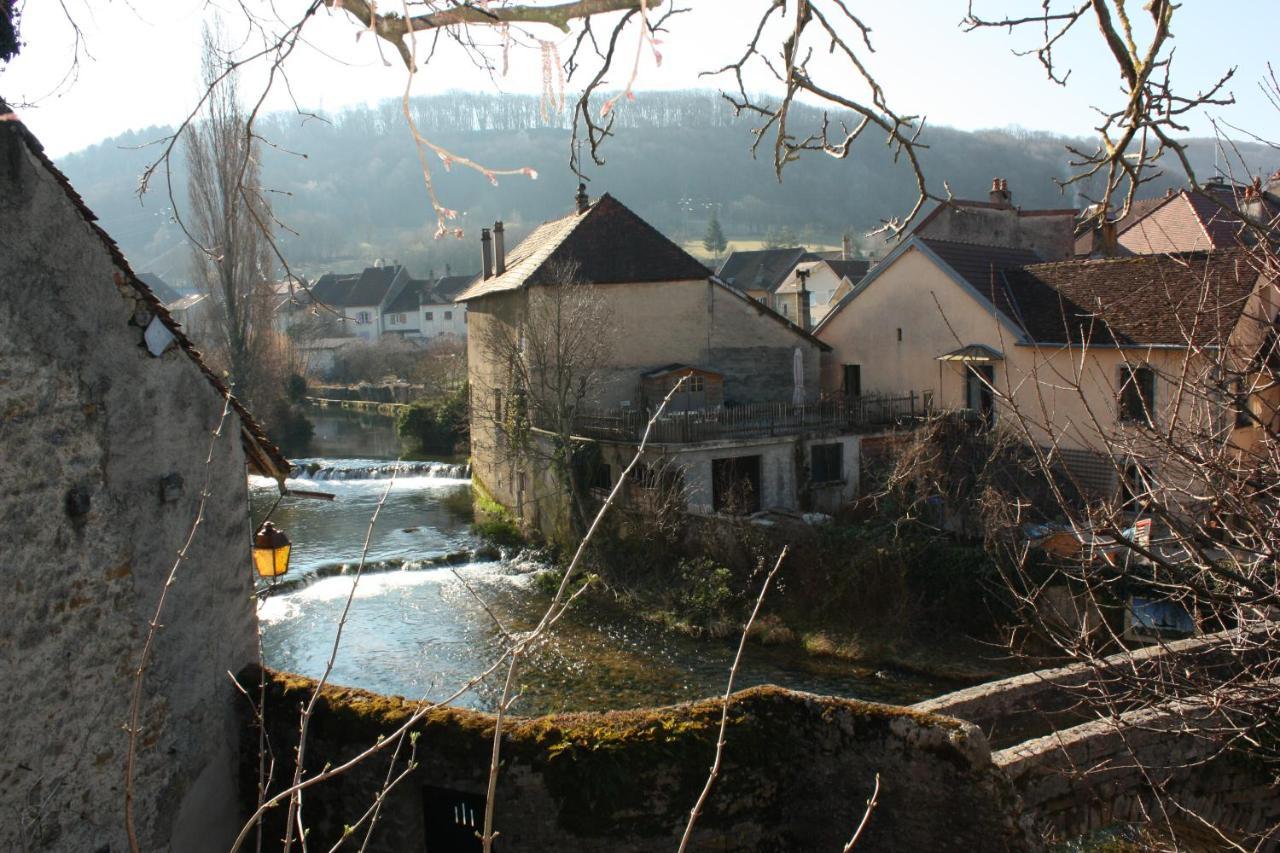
x=145 y=54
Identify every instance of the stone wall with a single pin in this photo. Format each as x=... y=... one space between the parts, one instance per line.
x=797 y=772
x=101 y=467
x=1109 y=771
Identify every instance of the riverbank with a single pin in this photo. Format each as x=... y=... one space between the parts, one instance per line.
x=861 y=593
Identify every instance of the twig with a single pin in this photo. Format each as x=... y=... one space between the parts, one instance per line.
x=153 y=628
x=724 y=709
x=866 y=817
x=295 y=800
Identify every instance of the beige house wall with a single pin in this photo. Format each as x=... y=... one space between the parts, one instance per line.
x=1042 y=390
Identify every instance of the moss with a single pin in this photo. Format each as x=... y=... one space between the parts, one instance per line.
x=593 y=764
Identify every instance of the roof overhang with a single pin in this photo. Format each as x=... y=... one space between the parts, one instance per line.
x=975 y=353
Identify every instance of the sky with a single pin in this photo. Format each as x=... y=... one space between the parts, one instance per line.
x=140 y=63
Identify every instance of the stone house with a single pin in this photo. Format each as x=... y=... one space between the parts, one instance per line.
x=1076 y=351
x=1049 y=233
x=747 y=427
x=107 y=415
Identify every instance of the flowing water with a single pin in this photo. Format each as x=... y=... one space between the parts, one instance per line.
x=421 y=629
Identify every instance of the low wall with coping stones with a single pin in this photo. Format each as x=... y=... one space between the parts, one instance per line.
x=1105 y=771
x=797 y=772
x=1015 y=709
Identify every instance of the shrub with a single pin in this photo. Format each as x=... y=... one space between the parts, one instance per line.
x=437 y=425
x=705 y=590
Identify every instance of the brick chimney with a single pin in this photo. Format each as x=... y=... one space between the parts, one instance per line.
x=802 y=311
x=499 y=249
x=1000 y=195
x=486 y=254
x=581 y=199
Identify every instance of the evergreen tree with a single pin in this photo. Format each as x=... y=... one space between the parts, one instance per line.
x=714 y=241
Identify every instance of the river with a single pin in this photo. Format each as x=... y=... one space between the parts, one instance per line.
x=417 y=629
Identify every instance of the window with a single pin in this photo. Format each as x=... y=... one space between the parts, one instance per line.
x=853 y=380
x=364 y=318
x=497 y=404
x=980 y=380
x=826 y=463
x=735 y=484
x=1240 y=403
x=899 y=334
x=696 y=384
x=786 y=310
x=452 y=818
x=448 y=315
x=1137 y=394
x=430 y=316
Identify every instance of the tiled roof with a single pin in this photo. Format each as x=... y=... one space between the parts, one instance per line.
x=1137 y=210
x=409 y=298
x=608 y=244
x=332 y=289
x=762 y=269
x=446 y=289
x=262 y=455
x=980 y=267
x=373 y=285
x=853 y=270
x=1160 y=300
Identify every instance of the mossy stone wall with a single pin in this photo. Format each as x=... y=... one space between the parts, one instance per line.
x=797 y=772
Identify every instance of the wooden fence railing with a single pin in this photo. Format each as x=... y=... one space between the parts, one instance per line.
x=755 y=420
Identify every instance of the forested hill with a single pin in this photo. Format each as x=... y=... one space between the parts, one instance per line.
x=358 y=192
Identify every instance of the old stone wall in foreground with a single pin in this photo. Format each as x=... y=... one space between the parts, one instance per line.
x=797 y=772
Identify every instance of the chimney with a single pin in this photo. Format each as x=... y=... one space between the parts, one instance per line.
x=846 y=247
x=499 y=249
x=1104 y=238
x=581 y=198
x=486 y=254
x=802 y=312
x=1000 y=195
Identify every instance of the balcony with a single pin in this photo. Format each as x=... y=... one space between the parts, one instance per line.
x=756 y=420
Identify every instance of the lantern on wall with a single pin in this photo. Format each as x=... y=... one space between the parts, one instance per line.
x=271 y=551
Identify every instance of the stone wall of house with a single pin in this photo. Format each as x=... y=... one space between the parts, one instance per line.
x=102 y=463
x=1049 y=233
x=796 y=775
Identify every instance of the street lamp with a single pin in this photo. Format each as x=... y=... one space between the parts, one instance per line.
x=271 y=551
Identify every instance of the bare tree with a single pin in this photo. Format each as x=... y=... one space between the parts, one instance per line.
x=1164 y=526
x=536 y=373
x=230 y=219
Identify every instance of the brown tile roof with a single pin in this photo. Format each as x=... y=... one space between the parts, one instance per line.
x=1139 y=300
x=1140 y=208
x=263 y=456
x=608 y=243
